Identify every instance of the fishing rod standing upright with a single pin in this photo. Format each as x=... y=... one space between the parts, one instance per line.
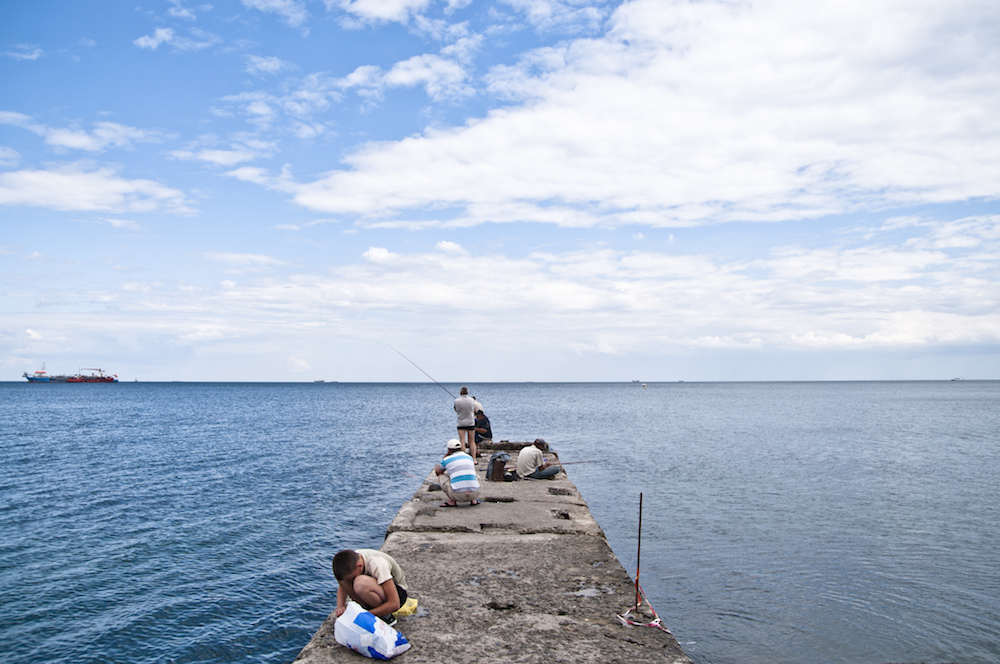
x=637 y=554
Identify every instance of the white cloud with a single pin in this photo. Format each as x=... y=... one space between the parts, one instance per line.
x=566 y=15
x=291 y=12
x=561 y=310
x=102 y=136
x=245 y=148
x=282 y=182
x=372 y=11
x=217 y=156
x=205 y=333
x=380 y=256
x=451 y=248
x=298 y=364
x=201 y=41
x=453 y=5
x=9 y=157
x=605 y=301
x=178 y=10
x=442 y=78
x=152 y=42
x=258 y=65
x=122 y=223
x=82 y=187
x=313 y=95
x=244 y=260
x=25 y=52
x=691 y=113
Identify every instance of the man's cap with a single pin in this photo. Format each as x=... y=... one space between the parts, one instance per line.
x=540 y=440
x=453 y=444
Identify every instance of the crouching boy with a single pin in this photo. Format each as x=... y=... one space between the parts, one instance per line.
x=372 y=579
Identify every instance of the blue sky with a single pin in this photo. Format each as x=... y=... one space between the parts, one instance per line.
x=512 y=190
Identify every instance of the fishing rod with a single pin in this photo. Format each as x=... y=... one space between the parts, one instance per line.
x=423 y=372
x=569 y=463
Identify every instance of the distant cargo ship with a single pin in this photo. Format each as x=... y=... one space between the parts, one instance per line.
x=95 y=376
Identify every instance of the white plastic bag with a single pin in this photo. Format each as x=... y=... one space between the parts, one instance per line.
x=361 y=631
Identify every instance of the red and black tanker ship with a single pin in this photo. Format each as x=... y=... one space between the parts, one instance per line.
x=95 y=376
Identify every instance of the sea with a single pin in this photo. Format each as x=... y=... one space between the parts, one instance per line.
x=799 y=523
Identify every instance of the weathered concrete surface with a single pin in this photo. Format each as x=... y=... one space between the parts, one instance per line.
x=526 y=577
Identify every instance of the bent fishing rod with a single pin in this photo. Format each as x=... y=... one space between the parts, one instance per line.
x=423 y=372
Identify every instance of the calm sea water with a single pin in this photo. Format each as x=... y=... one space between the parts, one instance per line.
x=783 y=522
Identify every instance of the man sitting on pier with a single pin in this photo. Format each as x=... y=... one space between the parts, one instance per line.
x=457 y=473
x=372 y=579
x=484 y=433
x=531 y=464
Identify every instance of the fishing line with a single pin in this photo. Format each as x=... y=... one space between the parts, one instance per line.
x=423 y=372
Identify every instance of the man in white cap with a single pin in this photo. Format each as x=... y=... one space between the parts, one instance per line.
x=457 y=475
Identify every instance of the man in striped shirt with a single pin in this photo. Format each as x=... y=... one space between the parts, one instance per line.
x=457 y=475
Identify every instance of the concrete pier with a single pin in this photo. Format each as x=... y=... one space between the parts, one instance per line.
x=528 y=576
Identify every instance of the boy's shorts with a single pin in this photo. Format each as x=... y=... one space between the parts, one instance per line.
x=401 y=591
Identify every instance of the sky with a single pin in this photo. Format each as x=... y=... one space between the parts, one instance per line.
x=513 y=190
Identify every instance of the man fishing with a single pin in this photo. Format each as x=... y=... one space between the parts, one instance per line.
x=465 y=407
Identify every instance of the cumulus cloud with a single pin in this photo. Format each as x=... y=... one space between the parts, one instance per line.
x=594 y=302
x=442 y=78
x=82 y=187
x=691 y=113
x=607 y=301
x=451 y=248
x=292 y=12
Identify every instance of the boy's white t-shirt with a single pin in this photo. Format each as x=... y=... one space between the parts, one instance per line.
x=382 y=567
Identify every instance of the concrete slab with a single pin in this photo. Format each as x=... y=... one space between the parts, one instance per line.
x=526 y=577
